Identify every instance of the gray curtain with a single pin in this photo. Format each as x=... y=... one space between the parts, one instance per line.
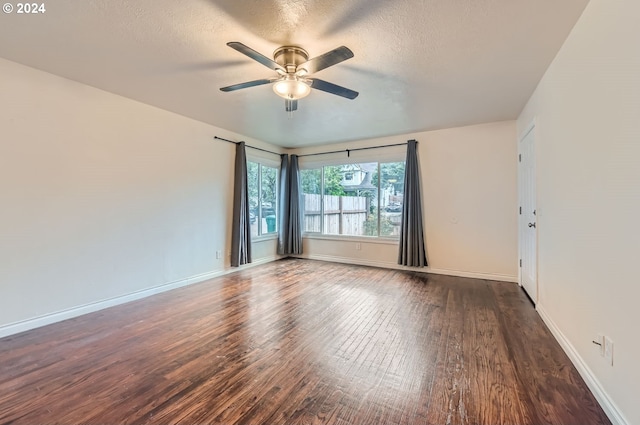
x=283 y=206
x=241 y=226
x=294 y=231
x=412 y=249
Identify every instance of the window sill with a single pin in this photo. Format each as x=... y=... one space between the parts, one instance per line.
x=263 y=238
x=344 y=238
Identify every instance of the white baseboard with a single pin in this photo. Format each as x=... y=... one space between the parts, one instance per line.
x=47 y=319
x=609 y=407
x=263 y=260
x=390 y=265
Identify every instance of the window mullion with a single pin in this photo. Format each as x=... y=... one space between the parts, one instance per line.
x=259 y=199
x=322 y=201
x=379 y=203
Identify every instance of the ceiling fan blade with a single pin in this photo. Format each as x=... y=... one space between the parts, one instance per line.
x=259 y=57
x=290 y=105
x=249 y=84
x=326 y=60
x=333 y=88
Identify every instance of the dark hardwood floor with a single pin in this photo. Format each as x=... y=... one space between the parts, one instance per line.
x=300 y=342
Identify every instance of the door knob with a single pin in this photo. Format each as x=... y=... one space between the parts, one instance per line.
x=532 y=224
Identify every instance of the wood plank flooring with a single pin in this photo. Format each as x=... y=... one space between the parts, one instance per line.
x=300 y=342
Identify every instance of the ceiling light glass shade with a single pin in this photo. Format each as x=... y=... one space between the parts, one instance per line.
x=291 y=88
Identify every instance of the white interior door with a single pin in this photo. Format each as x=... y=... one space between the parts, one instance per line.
x=527 y=223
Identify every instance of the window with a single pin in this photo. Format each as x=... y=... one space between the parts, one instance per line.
x=262 y=181
x=363 y=199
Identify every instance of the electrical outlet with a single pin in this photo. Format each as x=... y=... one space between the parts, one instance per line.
x=599 y=341
x=358 y=247
x=218 y=254
x=608 y=349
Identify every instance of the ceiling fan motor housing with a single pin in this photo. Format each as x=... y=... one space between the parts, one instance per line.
x=289 y=57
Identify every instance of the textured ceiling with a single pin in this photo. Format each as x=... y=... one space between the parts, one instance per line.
x=419 y=64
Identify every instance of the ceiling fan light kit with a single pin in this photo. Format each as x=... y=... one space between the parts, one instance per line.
x=292 y=64
x=291 y=88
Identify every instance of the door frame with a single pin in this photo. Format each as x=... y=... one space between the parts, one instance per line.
x=531 y=127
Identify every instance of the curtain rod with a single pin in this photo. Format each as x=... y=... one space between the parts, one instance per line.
x=348 y=151
x=249 y=146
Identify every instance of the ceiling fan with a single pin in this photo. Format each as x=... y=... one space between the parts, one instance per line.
x=293 y=66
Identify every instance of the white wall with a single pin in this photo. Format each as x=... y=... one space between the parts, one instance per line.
x=469 y=178
x=103 y=196
x=587 y=109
